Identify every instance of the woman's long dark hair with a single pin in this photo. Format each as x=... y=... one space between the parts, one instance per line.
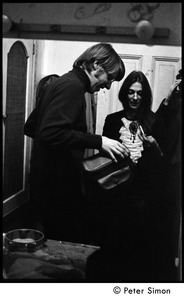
x=146 y=116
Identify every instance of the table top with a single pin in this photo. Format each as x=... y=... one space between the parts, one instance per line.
x=56 y=260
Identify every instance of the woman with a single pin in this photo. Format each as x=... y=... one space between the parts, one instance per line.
x=132 y=228
x=138 y=128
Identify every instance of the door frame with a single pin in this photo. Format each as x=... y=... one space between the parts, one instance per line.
x=16 y=200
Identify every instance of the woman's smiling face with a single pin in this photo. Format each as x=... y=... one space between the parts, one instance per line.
x=135 y=95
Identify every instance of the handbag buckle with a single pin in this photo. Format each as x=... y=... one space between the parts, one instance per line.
x=116 y=181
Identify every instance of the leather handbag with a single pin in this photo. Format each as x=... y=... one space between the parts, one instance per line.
x=107 y=173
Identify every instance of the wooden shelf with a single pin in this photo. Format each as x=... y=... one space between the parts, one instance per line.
x=23 y=28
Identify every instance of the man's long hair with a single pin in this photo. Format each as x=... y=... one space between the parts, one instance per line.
x=107 y=58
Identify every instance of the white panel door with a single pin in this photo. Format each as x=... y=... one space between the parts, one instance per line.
x=18 y=76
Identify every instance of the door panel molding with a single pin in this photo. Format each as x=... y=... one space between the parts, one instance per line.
x=164 y=74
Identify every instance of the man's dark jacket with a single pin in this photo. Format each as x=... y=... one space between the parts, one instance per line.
x=60 y=141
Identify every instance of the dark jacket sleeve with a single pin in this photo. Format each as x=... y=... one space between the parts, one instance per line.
x=164 y=112
x=63 y=123
x=159 y=132
x=31 y=123
x=171 y=115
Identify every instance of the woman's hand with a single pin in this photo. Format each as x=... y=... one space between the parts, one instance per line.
x=112 y=147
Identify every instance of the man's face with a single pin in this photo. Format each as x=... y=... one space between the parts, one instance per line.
x=99 y=80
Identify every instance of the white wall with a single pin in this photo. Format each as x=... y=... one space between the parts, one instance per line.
x=59 y=56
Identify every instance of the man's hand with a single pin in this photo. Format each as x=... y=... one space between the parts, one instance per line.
x=173 y=87
x=114 y=147
x=150 y=142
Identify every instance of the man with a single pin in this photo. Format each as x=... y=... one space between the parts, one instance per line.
x=171 y=111
x=61 y=138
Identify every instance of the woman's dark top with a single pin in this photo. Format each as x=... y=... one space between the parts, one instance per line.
x=146 y=183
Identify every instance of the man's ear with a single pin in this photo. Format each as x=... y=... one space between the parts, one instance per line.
x=97 y=67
